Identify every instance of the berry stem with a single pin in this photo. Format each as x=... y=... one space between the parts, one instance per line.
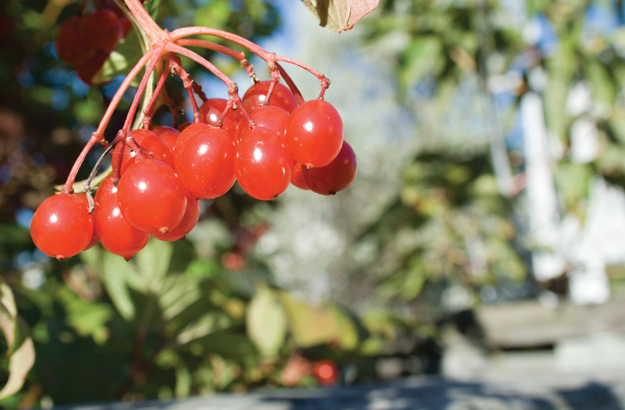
x=148 y=111
x=289 y=81
x=237 y=55
x=145 y=21
x=175 y=66
x=268 y=57
x=201 y=60
x=156 y=57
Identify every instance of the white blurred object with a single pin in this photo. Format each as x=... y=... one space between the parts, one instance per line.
x=542 y=201
x=584 y=140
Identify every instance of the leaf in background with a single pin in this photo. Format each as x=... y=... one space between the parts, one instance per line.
x=152 y=7
x=309 y=326
x=122 y=59
x=20 y=351
x=20 y=363
x=179 y=292
x=266 y=321
x=345 y=328
x=117 y=277
x=424 y=57
x=340 y=15
x=153 y=263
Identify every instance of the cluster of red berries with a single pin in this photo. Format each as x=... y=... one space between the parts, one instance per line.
x=165 y=172
x=85 y=41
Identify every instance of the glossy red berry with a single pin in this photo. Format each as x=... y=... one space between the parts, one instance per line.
x=188 y=132
x=262 y=165
x=256 y=96
x=205 y=163
x=189 y=220
x=105 y=189
x=314 y=133
x=168 y=135
x=326 y=372
x=150 y=142
x=62 y=226
x=115 y=233
x=212 y=109
x=151 y=197
x=273 y=118
x=335 y=176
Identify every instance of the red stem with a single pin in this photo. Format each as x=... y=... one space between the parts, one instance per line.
x=146 y=22
x=98 y=135
x=156 y=56
x=289 y=81
x=201 y=60
x=149 y=110
x=270 y=58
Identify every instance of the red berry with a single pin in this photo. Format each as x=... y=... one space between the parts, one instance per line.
x=314 y=133
x=262 y=165
x=326 y=372
x=233 y=261
x=62 y=227
x=183 y=125
x=297 y=178
x=150 y=142
x=281 y=97
x=212 y=109
x=188 y=132
x=115 y=233
x=105 y=189
x=89 y=70
x=335 y=176
x=151 y=197
x=273 y=118
x=126 y=26
x=189 y=220
x=71 y=45
x=101 y=29
x=205 y=163
x=168 y=135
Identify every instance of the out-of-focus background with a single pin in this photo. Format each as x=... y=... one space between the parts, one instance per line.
x=484 y=235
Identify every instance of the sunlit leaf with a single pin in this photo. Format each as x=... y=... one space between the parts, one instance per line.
x=340 y=15
x=266 y=321
x=153 y=263
x=20 y=351
x=20 y=363
x=122 y=59
x=118 y=276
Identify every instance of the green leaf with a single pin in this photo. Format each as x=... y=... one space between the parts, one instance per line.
x=20 y=351
x=88 y=318
x=179 y=292
x=345 y=328
x=573 y=181
x=20 y=363
x=118 y=276
x=423 y=57
x=153 y=263
x=152 y=7
x=122 y=59
x=266 y=321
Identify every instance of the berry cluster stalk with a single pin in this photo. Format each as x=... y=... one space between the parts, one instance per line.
x=161 y=52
